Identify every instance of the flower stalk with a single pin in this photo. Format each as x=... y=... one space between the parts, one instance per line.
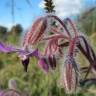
x=53 y=46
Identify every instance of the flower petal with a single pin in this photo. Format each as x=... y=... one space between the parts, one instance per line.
x=6 y=49
x=43 y=65
x=34 y=53
x=25 y=64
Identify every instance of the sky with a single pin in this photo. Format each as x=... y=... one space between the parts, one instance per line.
x=26 y=14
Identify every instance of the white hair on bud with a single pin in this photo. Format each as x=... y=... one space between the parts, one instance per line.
x=64 y=78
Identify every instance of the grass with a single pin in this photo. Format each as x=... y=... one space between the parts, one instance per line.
x=37 y=83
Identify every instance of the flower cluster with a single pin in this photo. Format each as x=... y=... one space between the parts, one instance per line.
x=55 y=38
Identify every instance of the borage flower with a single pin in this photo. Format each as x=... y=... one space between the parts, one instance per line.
x=23 y=54
x=44 y=62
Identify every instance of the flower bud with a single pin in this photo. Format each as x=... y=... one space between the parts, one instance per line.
x=69 y=75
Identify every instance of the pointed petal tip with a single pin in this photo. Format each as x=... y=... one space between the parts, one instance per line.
x=25 y=64
x=42 y=65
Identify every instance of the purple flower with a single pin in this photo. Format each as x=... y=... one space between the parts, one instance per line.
x=23 y=54
x=6 y=49
x=44 y=62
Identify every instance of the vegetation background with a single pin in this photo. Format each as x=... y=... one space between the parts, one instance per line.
x=35 y=81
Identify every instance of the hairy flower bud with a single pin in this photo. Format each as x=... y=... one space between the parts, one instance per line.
x=69 y=75
x=35 y=33
x=43 y=65
x=47 y=62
